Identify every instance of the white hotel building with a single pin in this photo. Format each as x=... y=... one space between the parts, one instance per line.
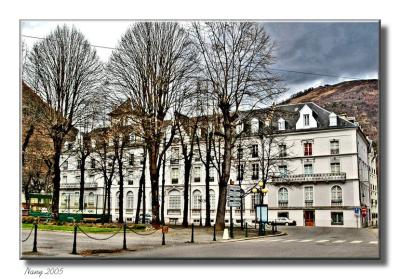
x=322 y=174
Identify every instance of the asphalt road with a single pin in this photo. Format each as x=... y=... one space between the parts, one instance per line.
x=300 y=242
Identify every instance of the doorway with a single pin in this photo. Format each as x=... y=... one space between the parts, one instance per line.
x=309 y=218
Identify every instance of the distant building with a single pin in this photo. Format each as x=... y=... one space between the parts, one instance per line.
x=322 y=173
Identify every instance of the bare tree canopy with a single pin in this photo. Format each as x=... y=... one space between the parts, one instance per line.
x=64 y=70
x=235 y=57
x=152 y=67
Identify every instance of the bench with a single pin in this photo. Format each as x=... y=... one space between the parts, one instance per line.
x=90 y=220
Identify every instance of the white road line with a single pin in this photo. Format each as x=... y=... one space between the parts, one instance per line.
x=306 y=240
x=339 y=241
x=322 y=240
x=373 y=242
x=290 y=240
x=356 y=241
x=276 y=240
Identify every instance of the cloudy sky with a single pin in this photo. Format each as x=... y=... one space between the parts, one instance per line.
x=324 y=52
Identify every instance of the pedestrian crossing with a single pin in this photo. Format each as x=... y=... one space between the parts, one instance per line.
x=324 y=241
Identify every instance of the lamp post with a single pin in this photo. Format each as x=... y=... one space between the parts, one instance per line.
x=262 y=191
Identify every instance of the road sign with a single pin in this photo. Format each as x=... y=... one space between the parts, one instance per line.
x=234 y=196
x=357 y=211
x=364 y=211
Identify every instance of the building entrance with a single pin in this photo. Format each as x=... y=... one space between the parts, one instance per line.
x=309 y=218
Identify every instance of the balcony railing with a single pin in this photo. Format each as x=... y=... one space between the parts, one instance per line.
x=173 y=211
x=77 y=185
x=304 y=178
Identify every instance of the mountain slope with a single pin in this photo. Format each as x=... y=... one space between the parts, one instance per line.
x=359 y=98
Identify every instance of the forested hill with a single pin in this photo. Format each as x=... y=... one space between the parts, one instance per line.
x=358 y=98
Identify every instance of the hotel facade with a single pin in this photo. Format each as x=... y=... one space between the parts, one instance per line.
x=322 y=173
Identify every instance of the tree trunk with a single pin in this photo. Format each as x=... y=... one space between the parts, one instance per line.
x=121 y=191
x=139 y=201
x=57 y=143
x=109 y=183
x=208 y=215
x=223 y=183
x=154 y=176
x=103 y=217
x=188 y=166
x=82 y=183
x=163 y=191
x=141 y=193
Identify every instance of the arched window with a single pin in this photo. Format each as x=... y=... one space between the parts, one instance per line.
x=129 y=200
x=281 y=124
x=91 y=199
x=174 y=202
x=117 y=201
x=212 y=199
x=283 y=197
x=254 y=125
x=197 y=199
x=63 y=199
x=239 y=128
x=336 y=195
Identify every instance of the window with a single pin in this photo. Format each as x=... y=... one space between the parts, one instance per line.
x=131 y=159
x=335 y=167
x=212 y=199
x=174 y=202
x=110 y=161
x=336 y=218
x=175 y=155
x=283 y=197
x=240 y=171
x=65 y=165
x=129 y=200
x=308 y=196
x=255 y=171
x=93 y=163
x=307 y=149
x=197 y=199
x=334 y=147
x=65 y=179
x=336 y=196
x=132 y=138
x=306 y=118
x=254 y=125
x=196 y=155
x=308 y=169
x=240 y=153
x=211 y=178
x=196 y=174
x=130 y=182
x=63 y=199
x=283 y=171
x=175 y=176
x=332 y=119
x=91 y=199
x=76 y=199
x=282 y=150
x=255 y=199
x=78 y=164
x=239 y=128
x=254 y=151
x=78 y=178
x=117 y=201
x=281 y=124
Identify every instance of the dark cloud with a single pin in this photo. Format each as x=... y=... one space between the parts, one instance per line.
x=346 y=49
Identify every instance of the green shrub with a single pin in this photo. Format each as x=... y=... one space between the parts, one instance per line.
x=28 y=219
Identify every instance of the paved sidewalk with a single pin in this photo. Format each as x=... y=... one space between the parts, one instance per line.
x=59 y=244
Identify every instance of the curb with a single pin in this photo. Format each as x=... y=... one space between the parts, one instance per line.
x=251 y=238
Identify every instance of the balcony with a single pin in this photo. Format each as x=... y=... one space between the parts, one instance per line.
x=307 y=178
x=92 y=185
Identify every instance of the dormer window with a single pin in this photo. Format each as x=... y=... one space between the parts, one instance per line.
x=239 y=128
x=306 y=118
x=281 y=124
x=254 y=126
x=332 y=119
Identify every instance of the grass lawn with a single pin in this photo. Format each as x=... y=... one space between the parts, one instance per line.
x=66 y=228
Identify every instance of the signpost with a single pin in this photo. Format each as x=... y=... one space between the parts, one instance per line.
x=233 y=201
x=357 y=213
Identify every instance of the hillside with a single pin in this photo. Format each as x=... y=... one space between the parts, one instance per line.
x=359 y=98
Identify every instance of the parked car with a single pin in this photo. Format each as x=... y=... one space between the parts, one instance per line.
x=284 y=221
x=147 y=218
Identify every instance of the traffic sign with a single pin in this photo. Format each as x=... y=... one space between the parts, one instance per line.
x=364 y=211
x=357 y=211
x=234 y=198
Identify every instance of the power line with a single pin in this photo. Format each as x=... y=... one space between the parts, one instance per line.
x=273 y=69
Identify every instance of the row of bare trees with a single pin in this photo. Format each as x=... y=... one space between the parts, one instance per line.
x=156 y=68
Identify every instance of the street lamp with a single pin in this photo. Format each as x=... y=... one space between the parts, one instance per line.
x=262 y=191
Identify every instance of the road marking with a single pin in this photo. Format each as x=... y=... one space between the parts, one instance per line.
x=322 y=240
x=373 y=242
x=356 y=241
x=290 y=240
x=275 y=240
x=339 y=241
x=306 y=240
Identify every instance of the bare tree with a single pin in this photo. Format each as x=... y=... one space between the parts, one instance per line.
x=151 y=67
x=64 y=70
x=235 y=61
